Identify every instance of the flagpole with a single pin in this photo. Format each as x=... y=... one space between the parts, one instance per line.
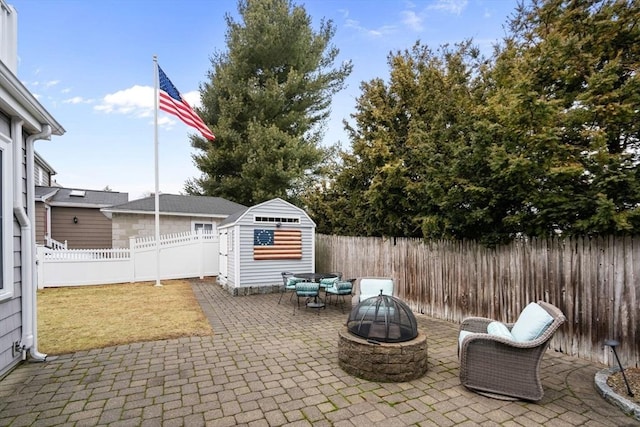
x=157 y=179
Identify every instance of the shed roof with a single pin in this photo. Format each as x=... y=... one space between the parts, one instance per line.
x=237 y=216
x=180 y=205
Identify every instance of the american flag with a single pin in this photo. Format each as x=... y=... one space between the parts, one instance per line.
x=172 y=102
x=277 y=244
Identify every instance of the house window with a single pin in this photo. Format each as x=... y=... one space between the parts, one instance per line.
x=206 y=227
x=6 y=219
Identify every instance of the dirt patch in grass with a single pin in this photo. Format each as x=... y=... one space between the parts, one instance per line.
x=71 y=319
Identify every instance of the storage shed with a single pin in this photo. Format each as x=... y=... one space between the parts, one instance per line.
x=259 y=243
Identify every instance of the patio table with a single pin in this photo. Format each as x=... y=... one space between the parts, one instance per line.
x=316 y=277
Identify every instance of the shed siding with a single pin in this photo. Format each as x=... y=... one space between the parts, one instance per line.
x=265 y=275
x=232 y=269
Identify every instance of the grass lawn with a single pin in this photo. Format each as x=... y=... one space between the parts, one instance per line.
x=82 y=318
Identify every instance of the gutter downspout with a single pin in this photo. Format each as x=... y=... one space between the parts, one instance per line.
x=29 y=303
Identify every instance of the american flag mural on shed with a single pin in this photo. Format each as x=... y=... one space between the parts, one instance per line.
x=277 y=244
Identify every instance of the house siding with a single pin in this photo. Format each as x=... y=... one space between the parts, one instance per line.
x=41 y=223
x=41 y=176
x=20 y=115
x=11 y=308
x=258 y=276
x=124 y=226
x=92 y=231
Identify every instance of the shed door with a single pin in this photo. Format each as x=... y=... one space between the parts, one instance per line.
x=224 y=251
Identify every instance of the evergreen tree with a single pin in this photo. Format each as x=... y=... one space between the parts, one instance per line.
x=543 y=138
x=267 y=100
x=404 y=143
x=569 y=100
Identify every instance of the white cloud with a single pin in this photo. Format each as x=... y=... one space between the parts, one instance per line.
x=77 y=100
x=51 y=83
x=136 y=101
x=166 y=121
x=378 y=32
x=192 y=98
x=451 y=6
x=412 y=20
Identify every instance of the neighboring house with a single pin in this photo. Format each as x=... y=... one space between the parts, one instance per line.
x=259 y=243
x=73 y=216
x=23 y=120
x=43 y=172
x=177 y=214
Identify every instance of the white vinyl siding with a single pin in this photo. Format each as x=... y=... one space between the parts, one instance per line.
x=6 y=219
x=243 y=270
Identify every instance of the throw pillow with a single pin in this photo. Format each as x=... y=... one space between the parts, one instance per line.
x=531 y=323
x=461 y=337
x=499 y=329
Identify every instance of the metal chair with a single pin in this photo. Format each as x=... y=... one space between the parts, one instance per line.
x=339 y=289
x=289 y=280
x=308 y=290
x=329 y=281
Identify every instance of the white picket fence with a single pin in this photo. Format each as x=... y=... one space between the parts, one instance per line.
x=181 y=255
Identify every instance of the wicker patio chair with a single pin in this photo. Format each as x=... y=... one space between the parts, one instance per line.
x=499 y=367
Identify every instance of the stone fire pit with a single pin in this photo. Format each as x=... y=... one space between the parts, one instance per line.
x=383 y=362
x=381 y=342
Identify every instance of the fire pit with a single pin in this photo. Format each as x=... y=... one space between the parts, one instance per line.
x=381 y=342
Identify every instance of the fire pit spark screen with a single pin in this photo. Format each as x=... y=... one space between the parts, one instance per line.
x=383 y=318
x=381 y=341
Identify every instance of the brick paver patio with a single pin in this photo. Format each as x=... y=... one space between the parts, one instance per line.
x=265 y=366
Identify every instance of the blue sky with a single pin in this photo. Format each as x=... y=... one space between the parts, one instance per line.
x=90 y=63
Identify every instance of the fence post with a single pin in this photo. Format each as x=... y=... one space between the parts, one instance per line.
x=40 y=266
x=201 y=246
x=132 y=259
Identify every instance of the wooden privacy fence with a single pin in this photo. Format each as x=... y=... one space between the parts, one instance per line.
x=594 y=281
x=180 y=255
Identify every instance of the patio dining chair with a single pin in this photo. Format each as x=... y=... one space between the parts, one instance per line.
x=289 y=281
x=329 y=281
x=340 y=289
x=502 y=360
x=309 y=291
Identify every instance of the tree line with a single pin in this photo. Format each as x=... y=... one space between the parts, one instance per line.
x=540 y=138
